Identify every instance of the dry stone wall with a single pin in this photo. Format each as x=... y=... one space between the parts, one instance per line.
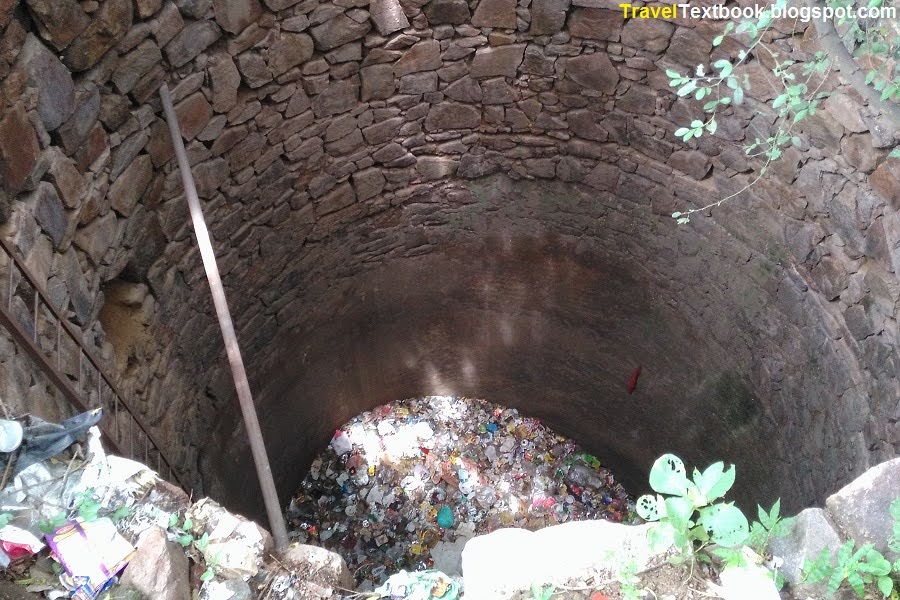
x=331 y=138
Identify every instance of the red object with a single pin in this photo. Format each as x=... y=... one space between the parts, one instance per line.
x=599 y=596
x=632 y=383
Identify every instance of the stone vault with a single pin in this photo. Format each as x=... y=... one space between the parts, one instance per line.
x=454 y=197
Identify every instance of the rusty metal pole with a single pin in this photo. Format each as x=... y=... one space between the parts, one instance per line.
x=257 y=446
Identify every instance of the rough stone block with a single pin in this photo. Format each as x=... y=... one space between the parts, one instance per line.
x=451 y=12
x=436 y=167
x=108 y=26
x=388 y=16
x=289 y=50
x=548 y=16
x=64 y=175
x=861 y=508
x=495 y=13
x=593 y=71
x=56 y=91
x=498 y=564
x=59 y=21
x=340 y=197
x=368 y=183
x=378 y=82
x=596 y=24
x=491 y=62
x=128 y=188
x=424 y=56
x=885 y=180
x=167 y=24
x=337 y=98
x=810 y=534
x=338 y=31
x=159 y=568
x=19 y=149
x=191 y=41
x=235 y=15
x=193 y=114
x=450 y=115
x=419 y=83
x=49 y=211
x=126 y=151
x=134 y=65
x=647 y=34
x=383 y=131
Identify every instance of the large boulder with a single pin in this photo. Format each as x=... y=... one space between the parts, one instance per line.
x=861 y=509
x=159 y=568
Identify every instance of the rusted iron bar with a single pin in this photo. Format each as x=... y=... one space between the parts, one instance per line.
x=251 y=421
x=83 y=352
x=57 y=378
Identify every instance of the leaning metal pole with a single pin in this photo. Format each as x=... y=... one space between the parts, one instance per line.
x=257 y=447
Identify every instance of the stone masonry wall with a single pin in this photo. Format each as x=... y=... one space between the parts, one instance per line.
x=312 y=125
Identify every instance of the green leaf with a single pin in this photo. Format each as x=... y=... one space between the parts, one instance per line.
x=681 y=131
x=711 y=126
x=185 y=540
x=710 y=105
x=208 y=574
x=667 y=476
x=5 y=518
x=817 y=570
x=801 y=114
x=203 y=542
x=724 y=66
x=121 y=513
x=738 y=96
x=895 y=153
x=780 y=101
x=684 y=220
x=676 y=214
x=857 y=583
x=679 y=511
x=722 y=484
x=687 y=88
x=885 y=586
x=646 y=506
x=717 y=40
x=726 y=524
x=673 y=74
x=173 y=520
x=187 y=525
x=870 y=76
x=89 y=510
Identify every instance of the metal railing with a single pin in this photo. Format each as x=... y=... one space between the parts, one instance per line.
x=46 y=336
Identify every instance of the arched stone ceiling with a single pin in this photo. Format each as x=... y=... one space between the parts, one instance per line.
x=457 y=197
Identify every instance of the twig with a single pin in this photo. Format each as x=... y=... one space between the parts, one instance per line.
x=9 y=463
x=62 y=490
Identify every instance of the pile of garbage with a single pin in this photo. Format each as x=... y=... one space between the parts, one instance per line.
x=76 y=522
x=405 y=485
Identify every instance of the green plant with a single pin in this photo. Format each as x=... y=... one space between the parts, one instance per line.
x=185 y=537
x=629 y=582
x=86 y=509
x=857 y=568
x=894 y=540
x=689 y=518
x=539 y=592
x=873 y=44
x=769 y=525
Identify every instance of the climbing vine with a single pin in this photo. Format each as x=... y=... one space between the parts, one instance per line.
x=874 y=45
